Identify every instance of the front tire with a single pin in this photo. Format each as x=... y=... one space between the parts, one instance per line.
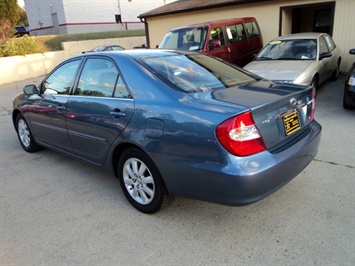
x=25 y=136
x=315 y=83
x=141 y=182
x=336 y=72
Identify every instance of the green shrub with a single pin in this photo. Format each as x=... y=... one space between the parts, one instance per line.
x=22 y=46
x=55 y=43
x=40 y=44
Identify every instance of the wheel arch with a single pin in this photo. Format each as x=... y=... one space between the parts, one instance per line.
x=15 y=113
x=339 y=61
x=316 y=75
x=118 y=151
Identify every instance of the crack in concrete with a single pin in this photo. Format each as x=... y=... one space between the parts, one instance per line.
x=334 y=163
x=6 y=110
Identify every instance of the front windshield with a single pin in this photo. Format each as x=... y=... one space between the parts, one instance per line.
x=289 y=50
x=191 y=39
x=197 y=72
x=100 y=49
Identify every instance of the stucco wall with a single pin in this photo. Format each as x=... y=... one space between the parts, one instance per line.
x=17 y=68
x=343 y=32
x=73 y=48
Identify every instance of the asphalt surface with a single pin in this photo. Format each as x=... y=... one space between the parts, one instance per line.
x=60 y=211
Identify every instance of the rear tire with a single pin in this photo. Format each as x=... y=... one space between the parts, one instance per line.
x=141 y=182
x=25 y=136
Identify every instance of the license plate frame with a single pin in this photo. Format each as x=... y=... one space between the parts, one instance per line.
x=291 y=123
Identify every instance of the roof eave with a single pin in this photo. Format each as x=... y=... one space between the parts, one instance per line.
x=150 y=14
x=176 y=11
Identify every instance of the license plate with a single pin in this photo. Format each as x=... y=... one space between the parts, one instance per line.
x=291 y=123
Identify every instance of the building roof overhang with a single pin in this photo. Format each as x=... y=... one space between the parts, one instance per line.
x=193 y=5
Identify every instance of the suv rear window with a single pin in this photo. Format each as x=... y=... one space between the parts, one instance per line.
x=252 y=29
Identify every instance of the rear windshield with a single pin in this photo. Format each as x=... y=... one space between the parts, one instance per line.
x=190 y=39
x=197 y=72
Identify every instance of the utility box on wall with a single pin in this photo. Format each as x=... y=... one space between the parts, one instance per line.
x=118 y=18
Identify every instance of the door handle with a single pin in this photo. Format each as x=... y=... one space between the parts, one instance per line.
x=117 y=113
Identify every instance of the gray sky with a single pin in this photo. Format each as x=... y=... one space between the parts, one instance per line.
x=21 y=3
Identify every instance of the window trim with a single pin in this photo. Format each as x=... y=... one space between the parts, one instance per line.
x=59 y=66
x=79 y=73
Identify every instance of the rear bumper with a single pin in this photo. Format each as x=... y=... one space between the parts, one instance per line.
x=349 y=94
x=240 y=181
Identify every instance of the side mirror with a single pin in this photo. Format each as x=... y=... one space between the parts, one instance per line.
x=324 y=55
x=30 y=89
x=214 y=44
x=352 y=51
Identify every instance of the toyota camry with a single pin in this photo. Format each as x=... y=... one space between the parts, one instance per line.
x=172 y=123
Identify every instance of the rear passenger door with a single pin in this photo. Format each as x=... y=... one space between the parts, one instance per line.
x=238 y=43
x=332 y=60
x=327 y=63
x=99 y=109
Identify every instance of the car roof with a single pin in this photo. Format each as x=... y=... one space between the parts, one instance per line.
x=139 y=53
x=304 y=35
x=222 y=22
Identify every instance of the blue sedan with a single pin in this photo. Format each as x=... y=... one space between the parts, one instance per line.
x=170 y=123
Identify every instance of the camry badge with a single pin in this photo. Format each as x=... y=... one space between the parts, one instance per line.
x=293 y=101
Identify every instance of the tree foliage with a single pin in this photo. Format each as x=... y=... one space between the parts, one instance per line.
x=5 y=30
x=23 y=20
x=9 y=11
x=9 y=16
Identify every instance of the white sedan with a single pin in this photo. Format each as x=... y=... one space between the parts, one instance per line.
x=301 y=58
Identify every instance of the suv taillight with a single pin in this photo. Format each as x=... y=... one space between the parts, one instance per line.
x=240 y=136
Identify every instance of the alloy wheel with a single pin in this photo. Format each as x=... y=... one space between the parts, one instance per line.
x=24 y=133
x=138 y=181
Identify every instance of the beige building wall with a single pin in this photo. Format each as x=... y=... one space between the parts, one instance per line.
x=268 y=17
x=344 y=30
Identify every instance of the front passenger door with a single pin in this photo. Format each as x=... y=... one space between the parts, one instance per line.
x=47 y=116
x=223 y=51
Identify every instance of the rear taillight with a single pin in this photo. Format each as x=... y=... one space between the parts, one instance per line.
x=240 y=136
x=313 y=104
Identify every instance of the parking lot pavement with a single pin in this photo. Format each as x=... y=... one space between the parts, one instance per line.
x=60 y=211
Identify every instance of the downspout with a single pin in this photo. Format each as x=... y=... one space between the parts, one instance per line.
x=146 y=31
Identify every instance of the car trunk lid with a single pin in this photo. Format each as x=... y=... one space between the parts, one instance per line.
x=280 y=112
